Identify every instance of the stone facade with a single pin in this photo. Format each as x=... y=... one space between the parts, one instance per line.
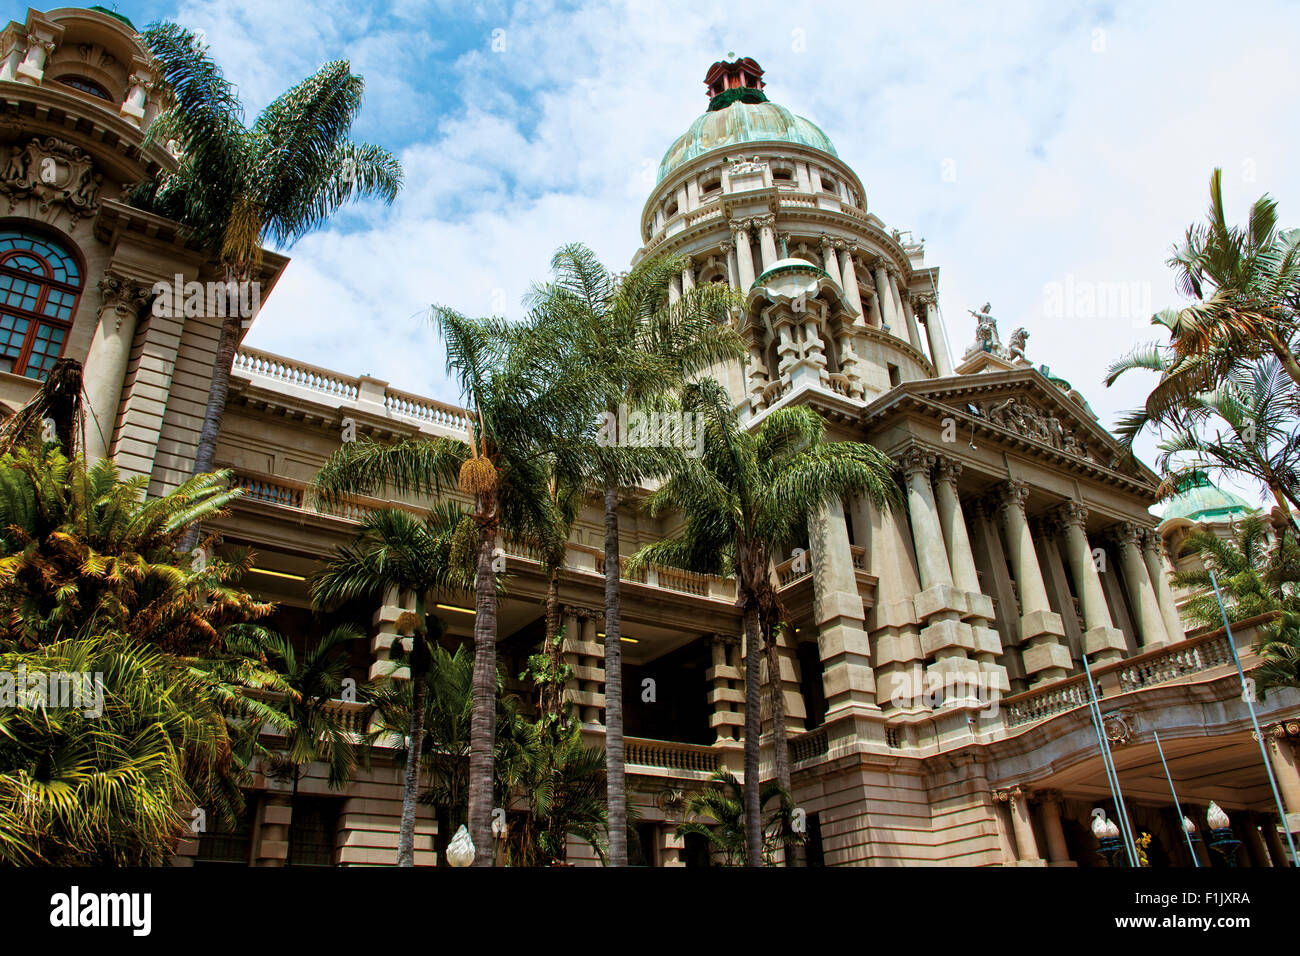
x=933 y=683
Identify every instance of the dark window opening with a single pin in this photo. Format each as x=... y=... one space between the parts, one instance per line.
x=895 y=376
x=695 y=850
x=814 y=853
x=676 y=705
x=222 y=844
x=810 y=683
x=86 y=86
x=315 y=827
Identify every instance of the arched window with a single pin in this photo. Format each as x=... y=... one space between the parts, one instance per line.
x=39 y=285
x=86 y=86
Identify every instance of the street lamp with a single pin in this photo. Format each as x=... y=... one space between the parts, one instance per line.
x=460 y=852
x=1221 y=836
x=1107 y=835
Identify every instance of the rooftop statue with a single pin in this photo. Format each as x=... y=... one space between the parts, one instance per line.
x=986 y=331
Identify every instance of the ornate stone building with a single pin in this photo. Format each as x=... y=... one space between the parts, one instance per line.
x=934 y=691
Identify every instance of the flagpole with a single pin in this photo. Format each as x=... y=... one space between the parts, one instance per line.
x=1112 y=774
x=1178 y=808
x=1248 y=696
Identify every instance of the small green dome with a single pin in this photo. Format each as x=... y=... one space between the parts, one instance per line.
x=739 y=123
x=1202 y=501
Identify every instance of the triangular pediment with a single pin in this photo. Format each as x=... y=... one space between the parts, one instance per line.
x=1024 y=408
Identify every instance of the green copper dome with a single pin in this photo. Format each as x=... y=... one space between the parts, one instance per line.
x=743 y=123
x=1202 y=501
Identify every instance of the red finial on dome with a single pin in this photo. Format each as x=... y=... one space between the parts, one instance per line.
x=744 y=73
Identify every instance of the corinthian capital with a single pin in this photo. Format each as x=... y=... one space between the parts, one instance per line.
x=1013 y=493
x=1072 y=513
x=917 y=461
x=947 y=469
x=122 y=296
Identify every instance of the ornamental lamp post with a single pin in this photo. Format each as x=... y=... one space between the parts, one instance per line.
x=460 y=852
x=1221 y=836
x=1108 y=838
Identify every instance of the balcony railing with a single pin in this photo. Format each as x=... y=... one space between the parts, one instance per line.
x=814 y=743
x=360 y=392
x=667 y=755
x=1192 y=656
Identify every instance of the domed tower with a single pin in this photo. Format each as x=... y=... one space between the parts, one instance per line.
x=757 y=197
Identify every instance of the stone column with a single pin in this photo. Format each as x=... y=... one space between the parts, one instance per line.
x=1102 y=641
x=744 y=254
x=904 y=300
x=132 y=108
x=767 y=240
x=688 y=276
x=849 y=279
x=1049 y=804
x=830 y=259
x=945 y=637
x=934 y=333
x=889 y=315
x=758 y=380
x=12 y=41
x=1042 y=633
x=965 y=577
x=1279 y=740
x=1026 y=844
x=674 y=289
x=32 y=70
x=728 y=253
x=1153 y=557
x=1146 y=610
x=1277 y=850
x=122 y=300
x=895 y=634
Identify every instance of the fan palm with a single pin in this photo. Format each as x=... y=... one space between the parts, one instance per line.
x=1257 y=574
x=102 y=782
x=304 y=689
x=515 y=404
x=236 y=186
x=723 y=801
x=749 y=495
x=620 y=337
x=395 y=550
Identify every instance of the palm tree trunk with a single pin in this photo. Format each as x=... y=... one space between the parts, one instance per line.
x=753 y=727
x=780 y=743
x=218 y=391
x=483 y=720
x=415 y=730
x=549 y=699
x=1284 y=355
x=615 y=780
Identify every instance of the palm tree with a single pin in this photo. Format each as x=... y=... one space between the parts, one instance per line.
x=749 y=495
x=306 y=688
x=723 y=801
x=395 y=550
x=237 y=186
x=1257 y=574
x=104 y=782
x=515 y=403
x=1244 y=425
x=629 y=347
x=1246 y=287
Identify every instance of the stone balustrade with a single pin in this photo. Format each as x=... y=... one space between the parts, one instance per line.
x=806 y=746
x=1195 y=655
x=668 y=755
x=275 y=372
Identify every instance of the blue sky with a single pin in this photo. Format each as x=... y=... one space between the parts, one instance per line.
x=1035 y=147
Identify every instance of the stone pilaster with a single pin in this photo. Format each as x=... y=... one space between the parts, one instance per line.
x=847 y=675
x=1022 y=826
x=744 y=254
x=726 y=688
x=849 y=278
x=585 y=655
x=1049 y=807
x=935 y=335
